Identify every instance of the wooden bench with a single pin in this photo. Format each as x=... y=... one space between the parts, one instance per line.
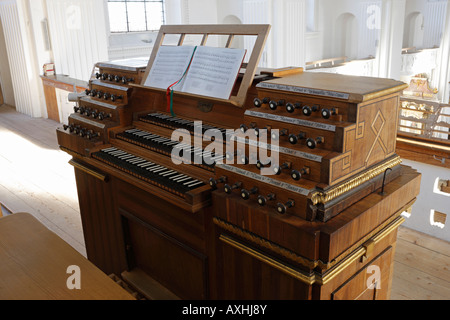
x=35 y=266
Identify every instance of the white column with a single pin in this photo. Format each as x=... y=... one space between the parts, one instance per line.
x=173 y=11
x=434 y=22
x=286 y=44
x=259 y=12
x=389 y=56
x=35 y=14
x=443 y=61
x=79 y=35
x=5 y=73
x=289 y=31
x=21 y=52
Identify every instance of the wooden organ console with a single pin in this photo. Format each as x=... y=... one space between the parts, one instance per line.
x=219 y=229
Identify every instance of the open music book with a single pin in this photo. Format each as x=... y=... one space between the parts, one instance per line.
x=212 y=72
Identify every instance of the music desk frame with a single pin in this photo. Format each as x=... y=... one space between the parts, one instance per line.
x=259 y=30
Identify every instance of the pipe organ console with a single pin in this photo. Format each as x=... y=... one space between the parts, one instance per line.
x=298 y=215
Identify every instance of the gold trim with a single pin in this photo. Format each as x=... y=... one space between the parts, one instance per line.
x=337 y=267
x=360 y=252
x=385 y=92
x=424 y=144
x=324 y=197
x=266 y=259
x=71 y=152
x=85 y=169
x=315 y=278
x=322 y=280
x=385 y=232
x=265 y=244
x=361 y=242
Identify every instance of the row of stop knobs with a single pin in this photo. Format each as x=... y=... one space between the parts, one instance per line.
x=306 y=110
x=103 y=95
x=277 y=169
x=94 y=113
x=82 y=132
x=293 y=138
x=113 y=78
x=246 y=194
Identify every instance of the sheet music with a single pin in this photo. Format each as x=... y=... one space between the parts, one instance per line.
x=169 y=66
x=214 y=71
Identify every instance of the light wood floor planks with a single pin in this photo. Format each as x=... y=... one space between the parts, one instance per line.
x=35 y=177
x=421 y=268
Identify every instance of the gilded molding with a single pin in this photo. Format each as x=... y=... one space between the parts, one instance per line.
x=424 y=144
x=383 y=93
x=324 y=197
x=71 y=152
x=360 y=252
x=334 y=268
x=266 y=244
x=85 y=169
x=310 y=279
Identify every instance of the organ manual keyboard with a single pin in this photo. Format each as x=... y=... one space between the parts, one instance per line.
x=282 y=201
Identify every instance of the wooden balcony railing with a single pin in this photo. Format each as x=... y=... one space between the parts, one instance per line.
x=424 y=131
x=326 y=62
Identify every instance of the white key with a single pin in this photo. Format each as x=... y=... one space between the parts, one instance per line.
x=195 y=184
x=145 y=165
x=125 y=157
x=181 y=178
x=177 y=176
x=155 y=168
x=168 y=174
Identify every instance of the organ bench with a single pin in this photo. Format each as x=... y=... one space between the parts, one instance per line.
x=322 y=225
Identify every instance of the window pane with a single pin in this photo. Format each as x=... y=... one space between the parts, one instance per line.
x=117 y=16
x=136 y=16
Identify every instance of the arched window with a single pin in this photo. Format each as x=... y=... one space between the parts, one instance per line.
x=413 y=31
x=239 y=41
x=346 y=36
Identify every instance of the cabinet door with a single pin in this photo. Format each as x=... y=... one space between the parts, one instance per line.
x=173 y=264
x=244 y=273
x=373 y=282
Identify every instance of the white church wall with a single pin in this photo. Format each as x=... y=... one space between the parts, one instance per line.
x=430 y=200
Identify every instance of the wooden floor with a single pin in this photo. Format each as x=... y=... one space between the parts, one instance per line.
x=35 y=177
